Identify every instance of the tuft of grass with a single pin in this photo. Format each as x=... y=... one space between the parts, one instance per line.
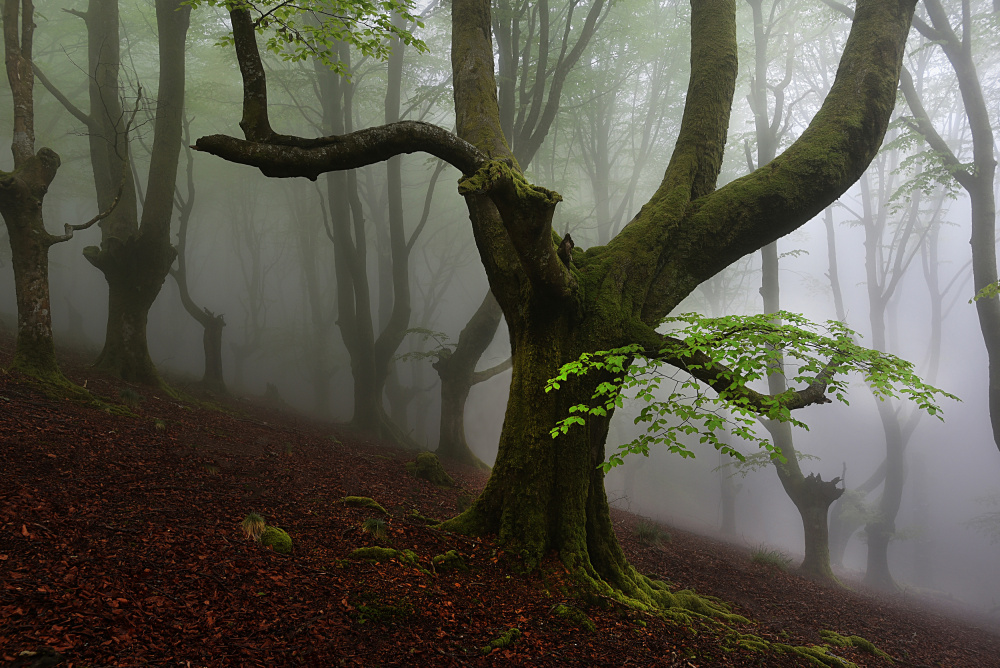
x=159 y=425
x=375 y=527
x=766 y=556
x=650 y=534
x=253 y=526
x=130 y=397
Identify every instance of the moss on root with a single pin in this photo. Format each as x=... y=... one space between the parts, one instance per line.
x=378 y=555
x=574 y=616
x=450 y=560
x=362 y=502
x=817 y=655
x=837 y=640
x=505 y=639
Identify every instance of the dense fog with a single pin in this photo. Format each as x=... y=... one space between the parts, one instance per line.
x=260 y=251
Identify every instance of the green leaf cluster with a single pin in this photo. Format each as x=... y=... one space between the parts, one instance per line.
x=679 y=408
x=299 y=31
x=988 y=292
x=925 y=169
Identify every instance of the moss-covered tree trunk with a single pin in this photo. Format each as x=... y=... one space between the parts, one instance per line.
x=134 y=271
x=548 y=494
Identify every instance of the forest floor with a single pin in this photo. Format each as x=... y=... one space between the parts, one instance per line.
x=120 y=545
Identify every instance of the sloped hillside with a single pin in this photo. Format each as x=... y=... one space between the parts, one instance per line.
x=121 y=545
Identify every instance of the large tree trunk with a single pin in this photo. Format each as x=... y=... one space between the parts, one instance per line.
x=134 y=270
x=21 y=194
x=134 y=258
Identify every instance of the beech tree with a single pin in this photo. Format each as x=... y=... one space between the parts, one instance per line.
x=811 y=494
x=559 y=302
x=22 y=191
x=212 y=324
x=135 y=254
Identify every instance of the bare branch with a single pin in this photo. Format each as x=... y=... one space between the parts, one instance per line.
x=70 y=229
x=486 y=374
x=289 y=157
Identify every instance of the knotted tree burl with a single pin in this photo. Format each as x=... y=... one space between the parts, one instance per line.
x=548 y=494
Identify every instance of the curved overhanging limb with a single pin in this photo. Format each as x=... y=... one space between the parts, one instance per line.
x=285 y=157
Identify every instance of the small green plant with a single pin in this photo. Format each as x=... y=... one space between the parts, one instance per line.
x=770 y=557
x=650 y=534
x=159 y=425
x=130 y=397
x=375 y=527
x=253 y=526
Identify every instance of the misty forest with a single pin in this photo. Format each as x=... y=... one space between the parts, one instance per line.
x=497 y=332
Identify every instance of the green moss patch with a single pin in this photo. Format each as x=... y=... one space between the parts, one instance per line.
x=837 y=640
x=423 y=519
x=428 y=467
x=450 y=560
x=370 y=609
x=816 y=655
x=378 y=555
x=363 y=502
x=574 y=616
x=276 y=539
x=506 y=639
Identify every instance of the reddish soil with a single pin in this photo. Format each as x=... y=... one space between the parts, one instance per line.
x=120 y=546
